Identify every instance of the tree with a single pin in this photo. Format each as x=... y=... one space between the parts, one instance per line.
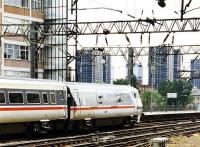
x=183 y=89
x=134 y=81
x=121 y=82
x=157 y=100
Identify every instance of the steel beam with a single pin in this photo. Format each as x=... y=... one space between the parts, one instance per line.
x=105 y=27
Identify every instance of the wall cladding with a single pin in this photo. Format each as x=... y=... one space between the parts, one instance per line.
x=0 y=38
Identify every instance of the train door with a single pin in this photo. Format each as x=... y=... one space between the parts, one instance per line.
x=61 y=95
x=76 y=108
x=88 y=103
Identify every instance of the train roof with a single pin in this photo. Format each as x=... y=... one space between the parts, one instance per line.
x=25 y=83
x=43 y=84
x=95 y=86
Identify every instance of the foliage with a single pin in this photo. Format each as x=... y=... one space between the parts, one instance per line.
x=133 y=81
x=121 y=82
x=157 y=100
x=183 y=89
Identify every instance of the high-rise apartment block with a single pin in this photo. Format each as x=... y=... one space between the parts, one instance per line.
x=163 y=65
x=195 y=78
x=93 y=69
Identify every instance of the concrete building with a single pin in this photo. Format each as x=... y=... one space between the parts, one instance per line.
x=177 y=64
x=92 y=69
x=107 y=69
x=163 y=66
x=195 y=66
x=196 y=94
x=138 y=71
x=15 y=52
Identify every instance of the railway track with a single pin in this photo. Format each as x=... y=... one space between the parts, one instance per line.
x=138 y=136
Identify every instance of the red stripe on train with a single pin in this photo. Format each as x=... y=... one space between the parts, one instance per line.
x=29 y=108
x=100 y=108
x=62 y=107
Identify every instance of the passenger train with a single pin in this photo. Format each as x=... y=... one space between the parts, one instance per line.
x=41 y=106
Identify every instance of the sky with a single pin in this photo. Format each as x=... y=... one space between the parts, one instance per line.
x=140 y=9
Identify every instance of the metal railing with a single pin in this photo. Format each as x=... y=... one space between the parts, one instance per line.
x=171 y=108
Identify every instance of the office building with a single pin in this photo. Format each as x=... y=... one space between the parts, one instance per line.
x=15 y=51
x=92 y=69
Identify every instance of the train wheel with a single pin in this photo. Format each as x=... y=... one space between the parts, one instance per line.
x=40 y=128
x=85 y=125
x=128 y=122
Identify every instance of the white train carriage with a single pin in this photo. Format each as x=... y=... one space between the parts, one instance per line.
x=34 y=103
x=43 y=105
x=103 y=101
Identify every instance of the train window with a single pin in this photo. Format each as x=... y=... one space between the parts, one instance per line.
x=124 y=98
x=61 y=94
x=2 y=98
x=15 y=97
x=53 y=98
x=33 y=98
x=45 y=98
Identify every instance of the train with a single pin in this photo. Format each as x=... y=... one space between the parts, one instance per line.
x=42 y=106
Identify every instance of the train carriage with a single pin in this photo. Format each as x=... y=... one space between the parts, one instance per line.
x=32 y=103
x=43 y=105
x=104 y=102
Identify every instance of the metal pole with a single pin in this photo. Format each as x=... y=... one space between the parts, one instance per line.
x=67 y=34
x=130 y=65
x=151 y=107
x=33 y=47
x=182 y=10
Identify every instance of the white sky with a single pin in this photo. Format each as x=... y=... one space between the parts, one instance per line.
x=135 y=8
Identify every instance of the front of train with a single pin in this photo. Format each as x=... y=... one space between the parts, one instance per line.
x=139 y=105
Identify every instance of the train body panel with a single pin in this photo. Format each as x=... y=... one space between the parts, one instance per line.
x=96 y=101
x=23 y=100
x=30 y=114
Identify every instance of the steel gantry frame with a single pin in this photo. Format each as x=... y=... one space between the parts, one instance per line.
x=139 y=51
x=105 y=27
x=74 y=29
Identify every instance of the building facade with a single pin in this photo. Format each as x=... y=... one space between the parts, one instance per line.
x=177 y=64
x=196 y=94
x=138 y=71
x=92 y=69
x=107 y=69
x=163 y=65
x=195 y=67
x=15 y=51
